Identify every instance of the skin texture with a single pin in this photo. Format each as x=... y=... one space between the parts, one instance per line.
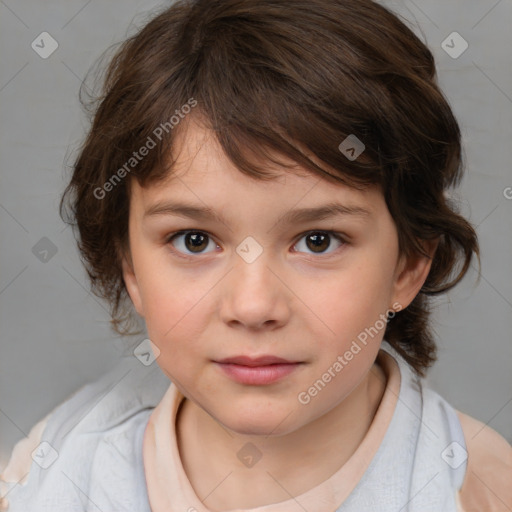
x=291 y=301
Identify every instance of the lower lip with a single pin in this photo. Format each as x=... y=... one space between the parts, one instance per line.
x=257 y=375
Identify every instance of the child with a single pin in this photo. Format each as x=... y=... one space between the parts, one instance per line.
x=266 y=183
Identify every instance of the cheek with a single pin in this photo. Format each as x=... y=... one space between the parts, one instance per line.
x=166 y=291
x=353 y=294
x=176 y=310
x=173 y=312
x=174 y=326
x=349 y=305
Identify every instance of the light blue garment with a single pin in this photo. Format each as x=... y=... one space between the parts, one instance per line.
x=98 y=435
x=422 y=460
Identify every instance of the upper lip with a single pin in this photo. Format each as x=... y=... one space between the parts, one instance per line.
x=255 y=361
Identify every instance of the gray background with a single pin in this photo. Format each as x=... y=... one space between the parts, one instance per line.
x=55 y=335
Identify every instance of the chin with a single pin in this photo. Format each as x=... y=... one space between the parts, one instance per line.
x=252 y=429
x=258 y=423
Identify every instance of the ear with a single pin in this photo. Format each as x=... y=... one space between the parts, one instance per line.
x=411 y=273
x=132 y=286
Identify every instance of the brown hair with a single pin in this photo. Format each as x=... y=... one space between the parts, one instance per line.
x=273 y=77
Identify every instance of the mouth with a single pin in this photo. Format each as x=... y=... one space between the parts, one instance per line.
x=255 y=361
x=257 y=371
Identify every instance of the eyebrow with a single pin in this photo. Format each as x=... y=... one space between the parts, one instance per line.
x=297 y=216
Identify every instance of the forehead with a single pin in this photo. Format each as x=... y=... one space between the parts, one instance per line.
x=201 y=171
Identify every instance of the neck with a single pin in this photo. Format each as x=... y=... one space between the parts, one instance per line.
x=299 y=460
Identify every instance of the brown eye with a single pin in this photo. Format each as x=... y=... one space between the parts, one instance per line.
x=319 y=241
x=196 y=242
x=191 y=242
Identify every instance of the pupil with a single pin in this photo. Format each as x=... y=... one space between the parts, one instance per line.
x=197 y=240
x=318 y=242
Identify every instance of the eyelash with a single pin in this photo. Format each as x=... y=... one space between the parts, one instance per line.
x=338 y=236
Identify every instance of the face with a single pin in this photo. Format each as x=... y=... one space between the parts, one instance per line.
x=268 y=277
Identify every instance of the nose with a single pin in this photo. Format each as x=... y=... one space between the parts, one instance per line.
x=255 y=296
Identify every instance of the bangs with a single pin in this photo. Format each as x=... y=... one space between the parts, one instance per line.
x=264 y=93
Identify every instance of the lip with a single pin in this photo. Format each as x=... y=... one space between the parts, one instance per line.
x=255 y=361
x=257 y=371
